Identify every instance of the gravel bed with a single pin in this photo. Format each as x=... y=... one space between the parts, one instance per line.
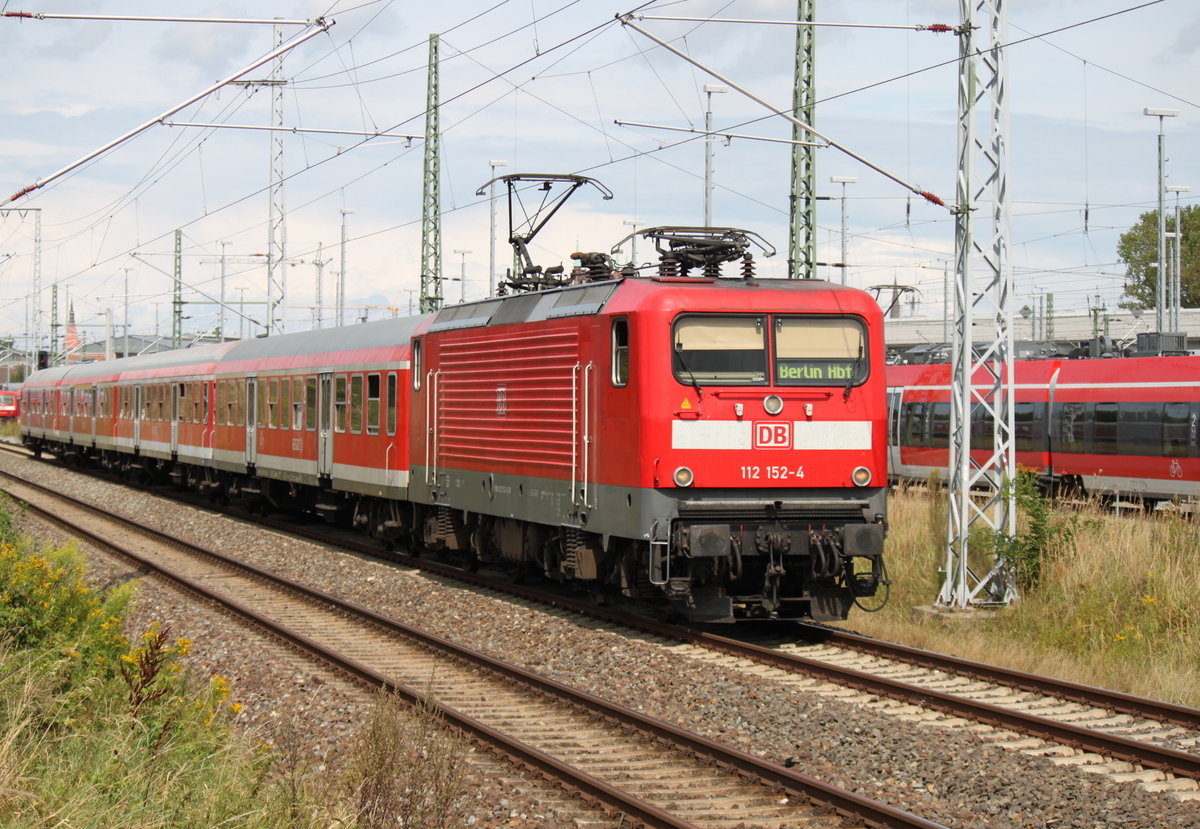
x=949 y=777
x=309 y=715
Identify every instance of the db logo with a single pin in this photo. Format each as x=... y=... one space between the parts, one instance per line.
x=772 y=435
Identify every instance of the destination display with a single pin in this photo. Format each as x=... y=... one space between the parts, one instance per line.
x=813 y=372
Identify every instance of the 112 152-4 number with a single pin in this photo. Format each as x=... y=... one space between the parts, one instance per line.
x=772 y=473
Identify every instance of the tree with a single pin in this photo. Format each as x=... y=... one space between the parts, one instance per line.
x=1138 y=249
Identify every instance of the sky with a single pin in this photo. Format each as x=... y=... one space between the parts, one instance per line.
x=539 y=84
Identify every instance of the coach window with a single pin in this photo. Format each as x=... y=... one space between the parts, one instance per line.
x=204 y=414
x=390 y=401
x=724 y=350
x=620 y=353
x=241 y=402
x=297 y=403
x=285 y=403
x=912 y=415
x=372 y=404
x=1175 y=430
x=356 y=403
x=416 y=365
x=1104 y=429
x=819 y=352
x=260 y=403
x=1027 y=427
x=1140 y=429
x=197 y=410
x=939 y=426
x=1070 y=424
x=310 y=404
x=222 y=401
x=273 y=403
x=339 y=403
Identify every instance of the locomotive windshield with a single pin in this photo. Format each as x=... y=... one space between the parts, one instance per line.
x=819 y=352
x=722 y=350
x=733 y=350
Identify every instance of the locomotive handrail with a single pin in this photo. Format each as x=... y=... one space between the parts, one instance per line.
x=587 y=433
x=574 y=429
x=730 y=394
x=433 y=393
x=428 y=424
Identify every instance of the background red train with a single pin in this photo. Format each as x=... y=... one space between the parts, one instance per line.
x=10 y=404
x=1124 y=427
x=717 y=442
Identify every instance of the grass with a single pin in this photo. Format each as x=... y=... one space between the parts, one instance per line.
x=1109 y=600
x=97 y=730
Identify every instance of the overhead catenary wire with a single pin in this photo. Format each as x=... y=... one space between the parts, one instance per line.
x=320 y=27
x=617 y=160
x=625 y=20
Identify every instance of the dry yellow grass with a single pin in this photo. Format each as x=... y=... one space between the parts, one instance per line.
x=1116 y=605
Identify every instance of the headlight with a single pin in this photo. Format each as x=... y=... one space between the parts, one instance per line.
x=861 y=476
x=773 y=404
x=683 y=476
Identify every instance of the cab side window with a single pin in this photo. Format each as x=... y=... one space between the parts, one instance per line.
x=620 y=353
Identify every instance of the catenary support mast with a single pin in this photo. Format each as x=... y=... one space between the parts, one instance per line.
x=431 y=212
x=982 y=384
x=277 y=223
x=802 y=245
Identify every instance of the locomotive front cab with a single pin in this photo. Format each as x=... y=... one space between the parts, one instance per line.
x=775 y=469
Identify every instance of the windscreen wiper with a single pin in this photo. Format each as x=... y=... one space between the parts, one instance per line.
x=683 y=364
x=853 y=373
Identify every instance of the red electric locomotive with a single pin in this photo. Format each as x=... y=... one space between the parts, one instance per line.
x=1124 y=427
x=10 y=405
x=719 y=442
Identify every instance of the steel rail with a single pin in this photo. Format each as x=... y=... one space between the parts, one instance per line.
x=845 y=803
x=1088 y=694
x=1147 y=754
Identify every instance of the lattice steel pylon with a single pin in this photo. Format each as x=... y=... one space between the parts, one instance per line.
x=802 y=241
x=431 y=200
x=982 y=384
x=276 y=223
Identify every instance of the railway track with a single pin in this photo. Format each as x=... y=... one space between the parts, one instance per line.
x=645 y=770
x=1127 y=738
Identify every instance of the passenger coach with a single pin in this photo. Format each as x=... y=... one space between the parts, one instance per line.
x=1122 y=427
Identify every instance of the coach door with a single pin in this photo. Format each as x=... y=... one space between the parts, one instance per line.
x=176 y=390
x=137 y=415
x=251 y=421
x=894 y=398
x=325 y=424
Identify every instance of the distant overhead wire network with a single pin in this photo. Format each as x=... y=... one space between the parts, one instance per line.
x=184 y=147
